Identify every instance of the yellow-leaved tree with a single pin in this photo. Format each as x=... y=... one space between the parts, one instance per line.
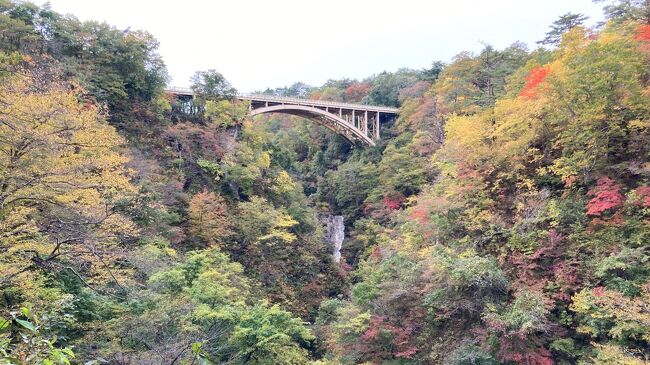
x=62 y=175
x=209 y=218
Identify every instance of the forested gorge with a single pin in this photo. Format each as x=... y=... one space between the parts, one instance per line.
x=503 y=218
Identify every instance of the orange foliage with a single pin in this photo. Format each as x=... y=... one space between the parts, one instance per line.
x=643 y=36
x=535 y=77
x=643 y=33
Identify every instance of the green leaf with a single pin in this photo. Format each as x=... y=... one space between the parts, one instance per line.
x=196 y=347
x=25 y=311
x=4 y=324
x=26 y=324
x=68 y=352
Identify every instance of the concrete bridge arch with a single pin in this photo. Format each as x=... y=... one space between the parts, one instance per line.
x=329 y=120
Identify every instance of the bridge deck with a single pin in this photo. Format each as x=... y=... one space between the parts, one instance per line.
x=298 y=101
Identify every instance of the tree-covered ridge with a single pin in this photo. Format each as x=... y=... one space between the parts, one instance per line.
x=531 y=246
x=503 y=218
x=118 y=243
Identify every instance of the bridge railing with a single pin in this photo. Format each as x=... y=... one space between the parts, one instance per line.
x=180 y=90
x=292 y=100
x=335 y=104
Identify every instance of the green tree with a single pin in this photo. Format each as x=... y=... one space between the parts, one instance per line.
x=348 y=187
x=401 y=170
x=386 y=86
x=622 y=10
x=268 y=335
x=564 y=24
x=211 y=85
x=432 y=74
x=226 y=113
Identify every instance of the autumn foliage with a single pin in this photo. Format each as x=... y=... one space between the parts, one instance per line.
x=606 y=195
x=357 y=91
x=501 y=218
x=643 y=33
x=534 y=78
x=538 y=197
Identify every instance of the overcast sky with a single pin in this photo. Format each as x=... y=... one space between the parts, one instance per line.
x=262 y=43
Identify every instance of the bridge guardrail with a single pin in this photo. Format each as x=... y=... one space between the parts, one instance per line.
x=179 y=90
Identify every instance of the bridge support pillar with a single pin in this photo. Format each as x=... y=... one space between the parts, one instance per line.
x=376 y=129
x=365 y=123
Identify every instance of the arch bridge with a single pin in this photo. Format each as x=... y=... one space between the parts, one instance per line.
x=358 y=123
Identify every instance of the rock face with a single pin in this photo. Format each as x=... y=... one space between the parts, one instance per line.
x=335 y=235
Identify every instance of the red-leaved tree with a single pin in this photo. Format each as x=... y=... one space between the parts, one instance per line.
x=535 y=77
x=606 y=195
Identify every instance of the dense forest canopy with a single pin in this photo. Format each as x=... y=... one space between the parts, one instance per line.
x=503 y=218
